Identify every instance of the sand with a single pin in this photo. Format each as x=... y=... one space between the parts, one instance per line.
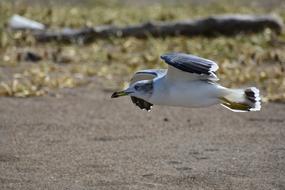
x=85 y=140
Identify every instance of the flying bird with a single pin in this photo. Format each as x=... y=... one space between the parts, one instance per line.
x=189 y=81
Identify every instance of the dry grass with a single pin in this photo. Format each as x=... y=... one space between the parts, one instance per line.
x=256 y=59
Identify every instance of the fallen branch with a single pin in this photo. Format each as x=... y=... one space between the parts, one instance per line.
x=210 y=26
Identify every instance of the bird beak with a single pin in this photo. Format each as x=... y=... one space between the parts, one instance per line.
x=120 y=93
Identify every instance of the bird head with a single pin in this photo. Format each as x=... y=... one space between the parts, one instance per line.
x=140 y=89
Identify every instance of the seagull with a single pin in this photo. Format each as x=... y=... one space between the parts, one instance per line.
x=189 y=81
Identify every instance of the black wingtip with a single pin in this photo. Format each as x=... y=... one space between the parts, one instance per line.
x=162 y=57
x=166 y=57
x=142 y=104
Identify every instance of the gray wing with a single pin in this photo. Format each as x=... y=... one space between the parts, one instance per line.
x=200 y=68
x=149 y=74
x=145 y=75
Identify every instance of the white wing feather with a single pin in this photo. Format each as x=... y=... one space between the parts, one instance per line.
x=147 y=75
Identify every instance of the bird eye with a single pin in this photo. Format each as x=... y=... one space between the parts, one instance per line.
x=136 y=87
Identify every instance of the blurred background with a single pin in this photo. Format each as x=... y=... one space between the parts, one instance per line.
x=31 y=68
x=65 y=132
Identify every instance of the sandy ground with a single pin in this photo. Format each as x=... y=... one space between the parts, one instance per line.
x=85 y=140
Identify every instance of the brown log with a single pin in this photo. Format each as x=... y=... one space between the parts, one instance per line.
x=210 y=26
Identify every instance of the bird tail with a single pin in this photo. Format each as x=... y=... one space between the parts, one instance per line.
x=242 y=100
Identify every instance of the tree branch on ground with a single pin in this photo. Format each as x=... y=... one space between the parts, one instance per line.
x=210 y=26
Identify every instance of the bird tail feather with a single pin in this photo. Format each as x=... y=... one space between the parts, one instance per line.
x=242 y=100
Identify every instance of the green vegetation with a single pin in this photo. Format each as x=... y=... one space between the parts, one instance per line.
x=245 y=59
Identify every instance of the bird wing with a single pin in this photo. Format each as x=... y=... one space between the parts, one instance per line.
x=186 y=66
x=145 y=75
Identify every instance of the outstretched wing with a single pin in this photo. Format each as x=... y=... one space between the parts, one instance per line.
x=145 y=75
x=188 y=66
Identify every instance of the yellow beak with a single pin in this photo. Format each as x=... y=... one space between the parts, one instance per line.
x=120 y=93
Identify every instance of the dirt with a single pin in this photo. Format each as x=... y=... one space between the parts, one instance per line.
x=85 y=140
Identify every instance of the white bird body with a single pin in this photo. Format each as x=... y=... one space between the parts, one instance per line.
x=197 y=93
x=189 y=81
